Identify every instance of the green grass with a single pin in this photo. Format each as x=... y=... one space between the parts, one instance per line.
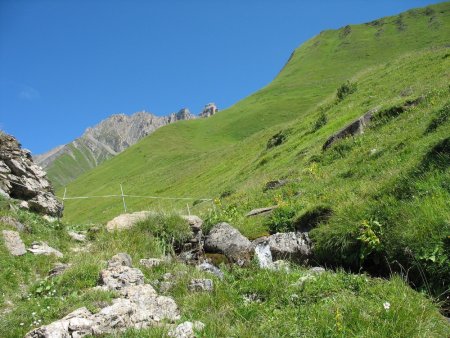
x=334 y=304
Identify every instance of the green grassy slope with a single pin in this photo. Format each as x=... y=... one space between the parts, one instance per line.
x=204 y=157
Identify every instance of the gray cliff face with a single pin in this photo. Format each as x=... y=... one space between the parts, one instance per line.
x=21 y=179
x=103 y=141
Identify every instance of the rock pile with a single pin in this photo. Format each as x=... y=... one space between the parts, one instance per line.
x=21 y=179
x=138 y=306
x=209 y=110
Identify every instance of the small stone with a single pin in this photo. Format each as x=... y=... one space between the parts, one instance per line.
x=261 y=211
x=194 y=221
x=150 y=262
x=50 y=219
x=186 y=330
x=58 y=269
x=165 y=287
x=42 y=248
x=14 y=243
x=200 y=285
x=121 y=259
x=317 y=270
x=77 y=236
x=208 y=267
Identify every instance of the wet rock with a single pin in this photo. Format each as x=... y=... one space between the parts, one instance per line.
x=14 y=243
x=208 y=267
x=77 y=236
x=201 y=285
x=261 y=211
x=225 y=239
x=127 y=221
x=42 y=248
x=12 y=222
x=186 y=330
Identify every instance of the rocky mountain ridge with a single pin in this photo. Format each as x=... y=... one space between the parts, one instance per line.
x=105 y=140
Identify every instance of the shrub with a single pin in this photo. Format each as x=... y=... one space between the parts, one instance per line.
x=277 y=139
x=345 y=90
x=443 y=115
x=281 y=219
x=171 y=228
x=320 y=122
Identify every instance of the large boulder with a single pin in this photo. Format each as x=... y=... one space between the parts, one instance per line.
x=21 y=179
x=225 y=239
x=295 y=246
x=127 y=221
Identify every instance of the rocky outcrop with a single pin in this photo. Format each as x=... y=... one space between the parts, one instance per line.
x=355 y=128
x=12 y=222
x=209 y=110
x=138 y=307
x=21 y=179
x=225 y=239
x=14 y=243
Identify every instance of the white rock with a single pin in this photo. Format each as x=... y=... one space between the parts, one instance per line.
x=42 y=248
x=186 y=330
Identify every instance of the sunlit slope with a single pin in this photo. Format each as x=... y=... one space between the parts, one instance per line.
x=202 y=158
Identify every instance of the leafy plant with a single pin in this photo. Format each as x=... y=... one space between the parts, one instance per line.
x=320 y=122
x=369 y=238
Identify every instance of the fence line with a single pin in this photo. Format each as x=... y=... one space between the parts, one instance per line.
x=123 y=195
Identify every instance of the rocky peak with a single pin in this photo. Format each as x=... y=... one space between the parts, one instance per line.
x=209 y=110
x=21 y=179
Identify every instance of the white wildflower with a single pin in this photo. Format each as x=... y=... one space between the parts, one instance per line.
x=387 y=305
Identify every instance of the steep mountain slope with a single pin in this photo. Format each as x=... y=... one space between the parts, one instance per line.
x=202 y=158
x=103 y=141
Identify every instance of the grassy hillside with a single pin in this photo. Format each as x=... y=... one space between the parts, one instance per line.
x=378 y=201
x=203 y=158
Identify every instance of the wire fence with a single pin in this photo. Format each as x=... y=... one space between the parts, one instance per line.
x=124 y=196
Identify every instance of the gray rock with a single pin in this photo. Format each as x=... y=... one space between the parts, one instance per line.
x=77 y=236
x=290 y=245
x=225 y=239
x=318 y=270
x=12 y=222
x=263 y=255
x=121 y=259
x=21 y=179
x=127 y=221
x=209 y=110
x=271 y=185
x=194 y=221
x=200 y=285
x=118 y=277
x=281 y=265
x=42 y=248
x=165 y=287
x=186 y=330
x=14 y=243
x=150 y=262
x=261 y=211
x=58 y=269
x=208 y=267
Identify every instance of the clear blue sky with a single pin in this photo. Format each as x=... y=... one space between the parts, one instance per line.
x=66 y=65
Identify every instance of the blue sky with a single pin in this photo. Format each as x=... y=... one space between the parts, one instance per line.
x=66 y=65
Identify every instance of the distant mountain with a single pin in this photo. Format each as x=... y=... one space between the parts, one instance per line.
x=105 y=140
